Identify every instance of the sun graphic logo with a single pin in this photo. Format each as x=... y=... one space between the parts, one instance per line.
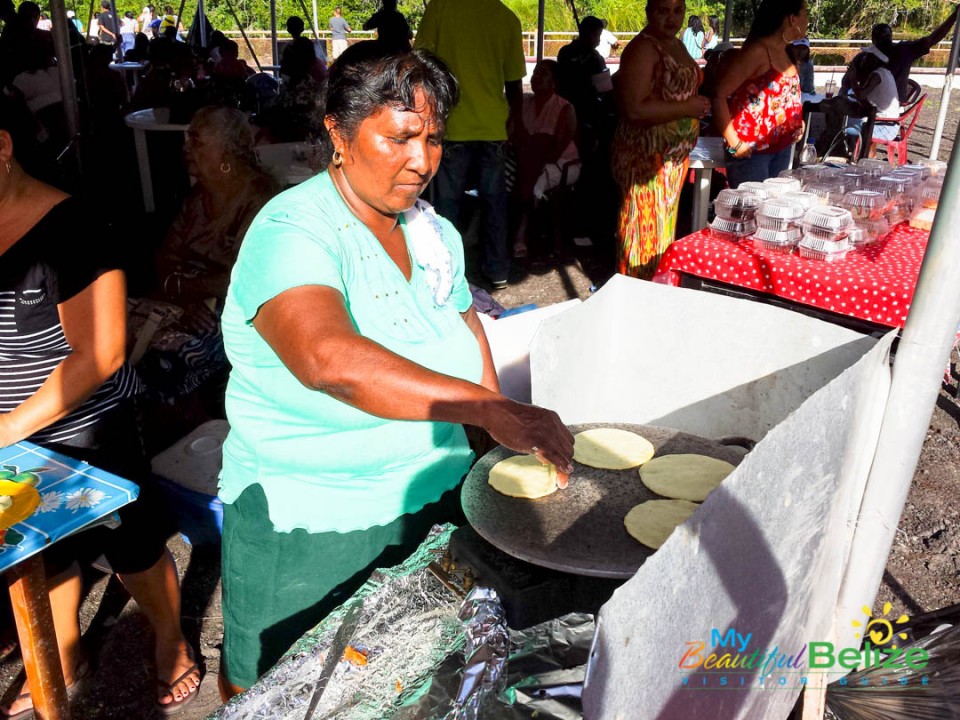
x=881 y=630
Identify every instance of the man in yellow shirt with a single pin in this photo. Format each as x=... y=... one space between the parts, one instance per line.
x=482 y=42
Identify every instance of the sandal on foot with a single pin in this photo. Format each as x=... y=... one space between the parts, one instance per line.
x=80 y=677
x=174 y=706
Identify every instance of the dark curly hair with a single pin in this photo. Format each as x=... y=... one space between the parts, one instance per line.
x=367 y=78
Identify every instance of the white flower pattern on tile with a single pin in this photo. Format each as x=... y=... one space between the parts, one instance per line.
x=85 y=498
x=50 y=501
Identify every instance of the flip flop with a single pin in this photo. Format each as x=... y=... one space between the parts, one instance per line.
x=175 y=706
x=80 y=677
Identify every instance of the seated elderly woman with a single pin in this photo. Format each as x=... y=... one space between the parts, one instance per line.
x=356 y=357
x=194 y=261
x=62 y=330
x=546 y=147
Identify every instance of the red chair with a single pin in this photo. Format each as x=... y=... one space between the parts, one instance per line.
x=897 y=148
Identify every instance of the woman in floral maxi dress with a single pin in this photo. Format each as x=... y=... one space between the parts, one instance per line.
x=659 y=111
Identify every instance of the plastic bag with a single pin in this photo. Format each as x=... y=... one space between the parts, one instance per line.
x=930 y=693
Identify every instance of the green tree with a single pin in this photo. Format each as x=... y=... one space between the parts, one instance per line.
x=838 y=19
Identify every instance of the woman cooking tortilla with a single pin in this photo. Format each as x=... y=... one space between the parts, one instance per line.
x=356 y=359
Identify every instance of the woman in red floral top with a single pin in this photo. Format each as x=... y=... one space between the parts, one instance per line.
x=757 y=107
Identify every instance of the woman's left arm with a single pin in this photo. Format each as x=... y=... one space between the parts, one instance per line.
x=735 y=70
x=489 y=380
x=95 y=324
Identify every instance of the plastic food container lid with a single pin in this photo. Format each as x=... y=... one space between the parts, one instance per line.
x=739 y=198
x=930 y=191
x=806 y=199
x=864 y=199
x=757 y=187
x=812 y=242
x=782 y=209
x=937 y=167
x=829 y=172
x=828 y=217
x=853 y=178
x=872 y=163
x=924 y=171
x=781 y=185
x=911 y=181
x=894 y=184
x=780 y=237
x=823 y=189
x=734 y=227
x=798 y=172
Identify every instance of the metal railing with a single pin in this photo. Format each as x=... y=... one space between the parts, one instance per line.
x=824 y=51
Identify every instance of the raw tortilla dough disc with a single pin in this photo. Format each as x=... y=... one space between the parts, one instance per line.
x=611 y=449
x=523 y=476
x=684 y=476
x=652 y=522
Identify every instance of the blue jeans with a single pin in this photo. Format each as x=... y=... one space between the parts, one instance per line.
x=758 y=167
x=462 y=161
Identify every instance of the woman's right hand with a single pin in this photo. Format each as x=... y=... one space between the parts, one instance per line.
x=698 y=106
x=532 y=430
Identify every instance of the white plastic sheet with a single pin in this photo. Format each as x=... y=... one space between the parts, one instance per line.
x=707 y=364
x=764 y=556
x=510 y=339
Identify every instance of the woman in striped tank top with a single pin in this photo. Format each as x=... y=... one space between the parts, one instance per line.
x=64 y=385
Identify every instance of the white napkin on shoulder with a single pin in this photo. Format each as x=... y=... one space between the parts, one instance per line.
x=426 y=236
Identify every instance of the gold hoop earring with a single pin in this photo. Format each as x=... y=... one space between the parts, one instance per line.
x=337 y=158
x=788 y=42
x=225 y=168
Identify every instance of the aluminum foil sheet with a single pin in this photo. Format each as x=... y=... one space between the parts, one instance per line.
x=414 y=650
x=545 y=671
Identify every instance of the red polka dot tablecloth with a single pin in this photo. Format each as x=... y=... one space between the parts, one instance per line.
x=874 y=283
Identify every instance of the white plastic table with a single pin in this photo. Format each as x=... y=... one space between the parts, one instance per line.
x=131 y=69
x=707 y=155
x=142 y=121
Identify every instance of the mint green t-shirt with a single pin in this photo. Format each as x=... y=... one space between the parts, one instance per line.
x=325 y=465
x=482 y=42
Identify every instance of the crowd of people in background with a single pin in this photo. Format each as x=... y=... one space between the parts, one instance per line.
x=613 y=147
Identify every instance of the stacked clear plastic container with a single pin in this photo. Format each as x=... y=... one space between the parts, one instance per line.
x=826 y=233
x=736 y=212
x=868 y=209
x=909 y=192
x=778 y=225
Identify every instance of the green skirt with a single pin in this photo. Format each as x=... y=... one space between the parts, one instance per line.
x=276 y=586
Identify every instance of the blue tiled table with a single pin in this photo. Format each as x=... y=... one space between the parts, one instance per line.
x=67 y=496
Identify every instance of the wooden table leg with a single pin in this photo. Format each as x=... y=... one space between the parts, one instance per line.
x=38 y=639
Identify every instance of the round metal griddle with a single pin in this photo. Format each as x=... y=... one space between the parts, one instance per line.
x=578 y=530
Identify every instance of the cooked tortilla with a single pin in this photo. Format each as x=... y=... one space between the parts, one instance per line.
x=523 y=476
x=684 y=476
x=611 y=449
x=653 y=522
